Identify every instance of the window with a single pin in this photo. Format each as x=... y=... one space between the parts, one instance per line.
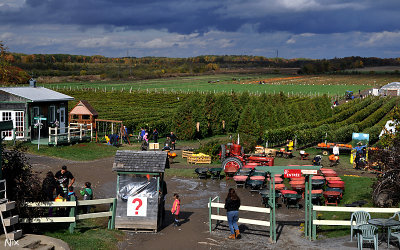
x=36 y=112
x=19 y=123
x=62 y=115
x=86 y=117
x=6 y=116
x=52 y=113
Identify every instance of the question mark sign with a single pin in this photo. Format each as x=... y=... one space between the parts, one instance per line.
x=139 y=205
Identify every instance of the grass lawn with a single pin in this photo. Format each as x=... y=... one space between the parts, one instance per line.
x=89 y=234
x=305 y=85
x=79 y=152
x=357 y=188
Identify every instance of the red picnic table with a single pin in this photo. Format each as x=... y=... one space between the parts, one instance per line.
x=336 y=184
x=279 y=186
x=240 y=180
x=302 y=178
x=278 y=180
x=332 y=197
x=334 y=178
x=285 y=191
x=257 y=178
x=296 y=183
x=330 y=174
x=316 y=196
x=299 y=188
x=230 y=171
x=250 y=165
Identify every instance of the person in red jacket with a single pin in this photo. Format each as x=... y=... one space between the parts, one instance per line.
x=176 y=208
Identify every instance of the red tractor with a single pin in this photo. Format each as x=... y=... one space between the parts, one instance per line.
x=233 y=158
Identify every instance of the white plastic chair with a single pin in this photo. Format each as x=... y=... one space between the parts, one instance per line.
x=369 y=233
x=396 y=229
x=360 y=218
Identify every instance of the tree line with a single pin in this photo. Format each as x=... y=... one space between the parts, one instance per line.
x=16 y=68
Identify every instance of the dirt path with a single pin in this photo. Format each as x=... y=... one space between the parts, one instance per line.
x=193 y=233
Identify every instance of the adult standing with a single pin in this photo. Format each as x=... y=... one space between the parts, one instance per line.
x=232 y=204
x=142 y=133
x=49 y=187
x=173 y=138
x=64 y=176
x=155 y=135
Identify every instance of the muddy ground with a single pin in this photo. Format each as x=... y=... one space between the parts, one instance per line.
x=194 y=231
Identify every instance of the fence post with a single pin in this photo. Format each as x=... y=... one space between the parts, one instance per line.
x=218 y=207
x=113 y=209
x=209 y=213
x=314 y=227
x=72 y=213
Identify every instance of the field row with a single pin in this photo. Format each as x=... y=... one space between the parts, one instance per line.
x=299 y=85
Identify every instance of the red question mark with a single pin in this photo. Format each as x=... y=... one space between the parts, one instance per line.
x=139 y=205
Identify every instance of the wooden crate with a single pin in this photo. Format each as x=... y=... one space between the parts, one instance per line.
x=199 y=159
x=186 y=154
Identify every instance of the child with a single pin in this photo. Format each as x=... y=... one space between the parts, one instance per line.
x=176 y=207
x=87 y=194
x=71 y=193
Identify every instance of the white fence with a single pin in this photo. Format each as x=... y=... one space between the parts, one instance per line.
x=219 y=217
x=316 y=209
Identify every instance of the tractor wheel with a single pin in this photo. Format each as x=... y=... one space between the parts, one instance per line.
x=232 y=162
x=223 y=153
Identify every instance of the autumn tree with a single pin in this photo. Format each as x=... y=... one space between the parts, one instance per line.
x=10 y=74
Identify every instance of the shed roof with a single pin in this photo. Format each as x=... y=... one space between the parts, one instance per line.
x=37 y=94
x=83 y=108
x=392 y=85
x=141 y=161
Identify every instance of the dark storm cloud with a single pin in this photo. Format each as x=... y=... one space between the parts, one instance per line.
x=187 y=16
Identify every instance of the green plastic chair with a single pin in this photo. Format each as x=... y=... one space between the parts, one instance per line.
x=396 y=229
x=369 y=233
x=360 y=218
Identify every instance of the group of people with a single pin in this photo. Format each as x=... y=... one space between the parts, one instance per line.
x=170 y=142
x=144 y=138
x=59 y=186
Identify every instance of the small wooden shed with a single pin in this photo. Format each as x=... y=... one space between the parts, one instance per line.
x=140 y=189
x=83 y=113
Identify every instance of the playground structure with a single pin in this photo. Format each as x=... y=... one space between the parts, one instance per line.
x=78 y=132
x=110 y=127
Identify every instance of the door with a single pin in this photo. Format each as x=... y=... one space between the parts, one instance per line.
x=62 y=120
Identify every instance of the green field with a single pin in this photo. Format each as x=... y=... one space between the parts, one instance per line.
x=289 y=84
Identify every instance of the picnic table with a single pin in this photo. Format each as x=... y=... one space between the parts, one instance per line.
x=332 y=197
x=385 y=223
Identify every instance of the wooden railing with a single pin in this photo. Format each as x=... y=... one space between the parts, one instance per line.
x=74 y=212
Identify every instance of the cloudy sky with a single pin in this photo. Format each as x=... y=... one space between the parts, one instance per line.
x=187 y=28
